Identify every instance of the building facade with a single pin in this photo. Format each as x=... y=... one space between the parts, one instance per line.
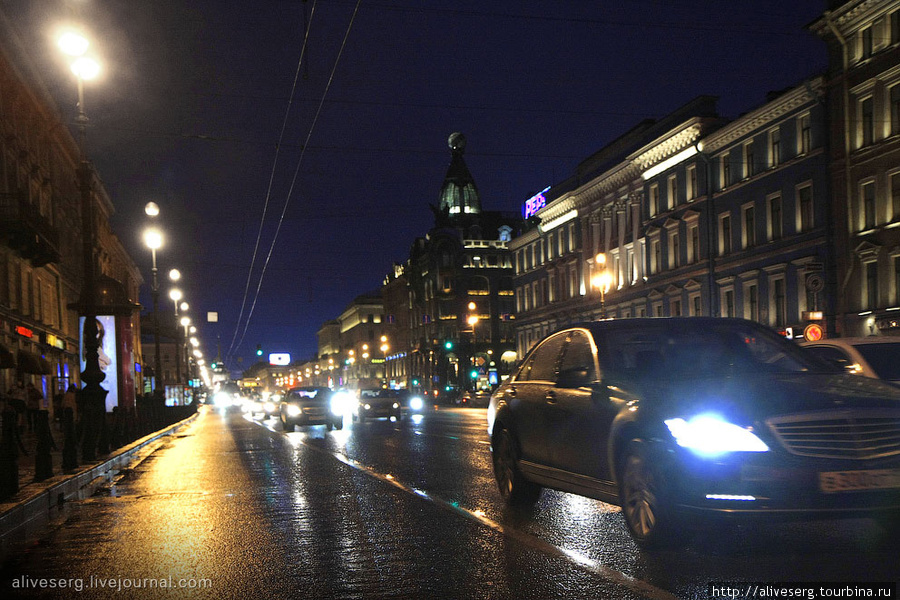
x=41 y=246
x=690 y=215
x=863 y=95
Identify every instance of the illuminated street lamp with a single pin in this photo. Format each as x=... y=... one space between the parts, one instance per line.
x=602 y=281
x=153 y=239
x=93 y=394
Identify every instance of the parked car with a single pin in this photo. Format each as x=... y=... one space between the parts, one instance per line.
x=312 y=406
x=378 y=403
x=671 y=418
x=876 y=356
x=476 y=398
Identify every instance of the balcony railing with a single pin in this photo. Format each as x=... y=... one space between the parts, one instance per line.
x=23 y=228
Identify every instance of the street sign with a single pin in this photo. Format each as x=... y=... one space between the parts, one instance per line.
x=813 y=332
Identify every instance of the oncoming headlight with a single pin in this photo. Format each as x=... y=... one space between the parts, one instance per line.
x=416 y=403
x=710 y=435
x=341 y=403
x=293 y=410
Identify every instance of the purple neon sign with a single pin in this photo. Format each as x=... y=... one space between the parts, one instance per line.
x=536 y=203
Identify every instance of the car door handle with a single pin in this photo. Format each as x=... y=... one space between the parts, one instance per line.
x=551 y=398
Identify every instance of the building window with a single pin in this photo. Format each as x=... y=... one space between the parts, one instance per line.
x=775 y=147
x=866 y=39
x=897 y=280
x=868 y=200
x=725 y=164
x=804 y=135
x=694 y=247
x=752 y=294
x=654 y=200
x=674 y=250
x=725 y=234
x=696 y=306
x=655 y=256
x=779 y=302
x=895 y=196
x=894 y=99
x=672 y=187
x=871 y=285
x=776 y=220
x=728 y=302
x=749 y=227
x=804 y=208
x=675 y=306
x=867 y=121
x=749 y=160
x=691 y=182
x=895 y=27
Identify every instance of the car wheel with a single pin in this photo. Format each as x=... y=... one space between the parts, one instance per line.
x=287 y=425
x=514 y=488
x=642 y=496
x=339 y=424
x=329 y=425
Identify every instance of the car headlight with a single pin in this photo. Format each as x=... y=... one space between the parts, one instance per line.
x=340 y=403
x=293 y=410
x=710 y=435
x=416 y=403
x=395 y=405
x=270 y=407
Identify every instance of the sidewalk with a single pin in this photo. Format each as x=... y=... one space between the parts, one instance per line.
x=28 y=510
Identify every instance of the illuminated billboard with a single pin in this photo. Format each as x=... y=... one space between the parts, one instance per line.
x=535 y=203
x=106 y=332
x=280 y=360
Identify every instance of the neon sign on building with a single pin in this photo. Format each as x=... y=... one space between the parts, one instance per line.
x=536 y=203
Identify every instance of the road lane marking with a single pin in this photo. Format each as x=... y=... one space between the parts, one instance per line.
x=479 y=517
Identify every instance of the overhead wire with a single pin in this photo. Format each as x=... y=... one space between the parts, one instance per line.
x=297 y=169
x=262 y=219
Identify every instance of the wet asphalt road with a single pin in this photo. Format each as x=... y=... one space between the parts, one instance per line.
x=233 y=507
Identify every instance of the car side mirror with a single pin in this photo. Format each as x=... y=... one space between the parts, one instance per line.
x=573 y=378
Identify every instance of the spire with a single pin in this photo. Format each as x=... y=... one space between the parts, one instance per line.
x=459 y=194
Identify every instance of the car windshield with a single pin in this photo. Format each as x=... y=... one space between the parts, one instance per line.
x=680 y=349
x=883 y=358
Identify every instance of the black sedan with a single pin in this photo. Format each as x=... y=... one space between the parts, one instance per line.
x=312 y=406
x=695 y=416
x=378 y=403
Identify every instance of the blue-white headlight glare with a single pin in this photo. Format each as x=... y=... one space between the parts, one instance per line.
x=340 y=403
x=416 y=403
x=710 y=435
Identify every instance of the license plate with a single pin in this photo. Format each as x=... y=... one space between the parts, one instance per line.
x=848 y=481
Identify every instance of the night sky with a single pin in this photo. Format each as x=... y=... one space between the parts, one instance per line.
x=196 y=95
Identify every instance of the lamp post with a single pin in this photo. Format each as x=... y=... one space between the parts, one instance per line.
x=93 y=394
x=175 y=295
x=602 y=281
x=153 y=238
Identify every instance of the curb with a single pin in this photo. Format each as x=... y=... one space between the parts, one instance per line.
x=20 y=513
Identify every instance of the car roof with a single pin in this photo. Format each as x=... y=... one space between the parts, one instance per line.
x=854 y=341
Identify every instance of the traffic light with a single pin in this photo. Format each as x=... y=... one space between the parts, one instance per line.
x=448 y=344
x=474 y=374
x=214 y=365
x=259 y=349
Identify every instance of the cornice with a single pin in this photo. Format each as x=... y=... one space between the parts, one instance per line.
x=668 y=145
x=765 y=116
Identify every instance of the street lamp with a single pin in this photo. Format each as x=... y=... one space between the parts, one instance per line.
x=93 y=394
x=154 y=240
x=175 y=295
x=384 y=351
x=602 y=281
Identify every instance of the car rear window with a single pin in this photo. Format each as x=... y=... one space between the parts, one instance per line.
x=883 y=358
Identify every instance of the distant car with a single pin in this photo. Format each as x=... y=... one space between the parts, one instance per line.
x=476 y=398
x=266 y=406
x=674 y=418
x=312 y=406
x=413 y=403
x=380 y=403
x=876 y=356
